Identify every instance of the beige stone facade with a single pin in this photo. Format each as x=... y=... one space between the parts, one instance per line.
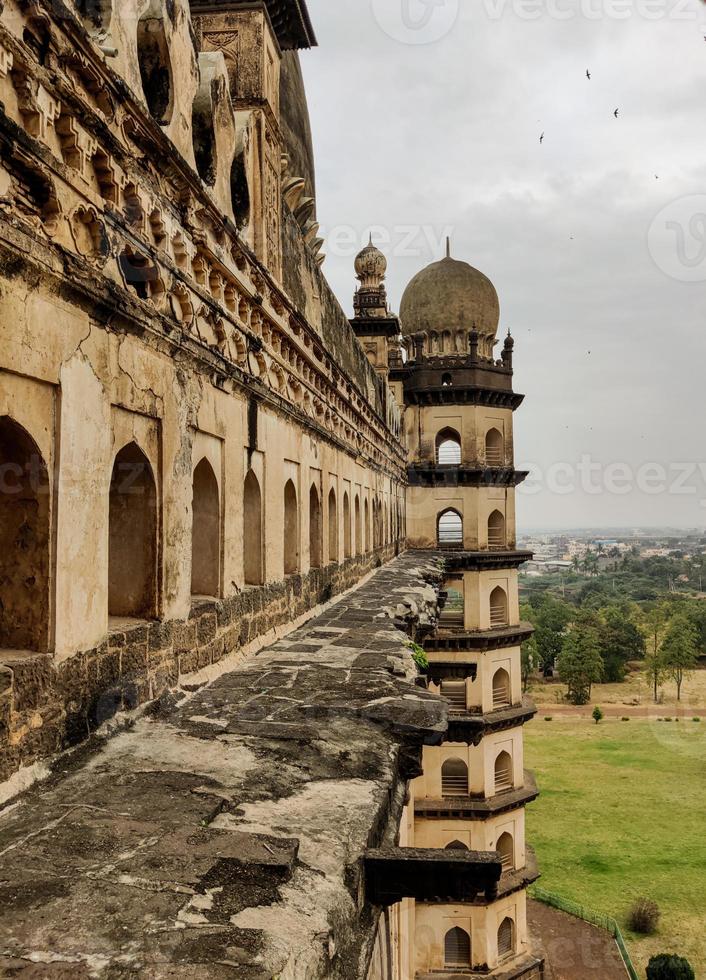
x=186 y=415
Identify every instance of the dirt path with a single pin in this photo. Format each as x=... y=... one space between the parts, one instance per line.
x=574 y=950
x=655 y=711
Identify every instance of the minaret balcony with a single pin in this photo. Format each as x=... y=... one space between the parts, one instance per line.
x=471 y=726
x=428 y=473
x=430 y=875
x=477 y=807
x=456 y=638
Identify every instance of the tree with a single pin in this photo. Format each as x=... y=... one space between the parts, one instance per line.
x=551 y=618
x=580 y=662
x=653 y=626
x=597 y=714
x=669 y=967
x=621 y=641
x=679 y=650
x=530 y=660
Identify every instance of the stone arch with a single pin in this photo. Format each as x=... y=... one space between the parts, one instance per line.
x=24 y=541
x=501 y=688
x=252 y=531
x=498 y=607
x=204 y=135
x=358 y=528
x=494 y=448
x=496 y=530
x=504 y=778
x=132 y=550
x=457 y=949
x=449 y=529
x=332 y=526
x=291 y=529
x=316 y=535
x=155 y=64
x=456 y=845
x=506 y=938
x=448 y=448
x=454 y=778
x=346 y=525
x=506 y=849
x=240 y=190
x=205 y=532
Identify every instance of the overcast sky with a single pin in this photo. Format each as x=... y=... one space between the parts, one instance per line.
x=427 y=116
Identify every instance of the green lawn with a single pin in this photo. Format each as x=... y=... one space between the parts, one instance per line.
x=623 y=814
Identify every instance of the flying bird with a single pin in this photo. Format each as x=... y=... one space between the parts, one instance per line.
x=616 y=113
x=541 y=138
x=588 y=74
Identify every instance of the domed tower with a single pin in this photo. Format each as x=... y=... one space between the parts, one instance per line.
x=459 y=402
x=376 y=327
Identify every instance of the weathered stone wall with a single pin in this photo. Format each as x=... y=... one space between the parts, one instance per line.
x=146 y=332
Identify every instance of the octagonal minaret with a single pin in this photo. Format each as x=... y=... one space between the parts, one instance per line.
x=459 y=404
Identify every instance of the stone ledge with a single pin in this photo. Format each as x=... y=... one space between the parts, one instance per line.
x=224 y=836
x=45 y=708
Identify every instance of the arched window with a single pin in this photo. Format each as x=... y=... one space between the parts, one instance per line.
x=506 y=849
x=154 y=62
x=447 y=380
x=316 y=534
x=455 y=694
x=24 y=541
x=291 y=530
x=358 y=528
x=498 y=607
x=448 y=448
x=205 y=532
x=456 y=845
x=252 y=531
x=346 y=525
x=506 y=938
x=450 y=529
x=367 y=525
x=132 y=549
x=332 y=526
x=494 y=448
x=452 y=613
x=454 y=778
x=496 y=530
x=503 y=772
x=457 y=949
x=501 y=688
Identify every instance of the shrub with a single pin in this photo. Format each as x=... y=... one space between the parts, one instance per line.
x=668 y=967
x=548 y=718
x=643 y=917
x=696 y=719
x=419 y=656
x=597 y=714
x=667 y=719
x=625 y=718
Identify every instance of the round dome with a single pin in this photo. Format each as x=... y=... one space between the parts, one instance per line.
x=370 y=263
x=449 y=295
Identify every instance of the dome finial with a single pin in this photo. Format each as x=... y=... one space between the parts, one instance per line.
x=370 y=239
x=448 y=246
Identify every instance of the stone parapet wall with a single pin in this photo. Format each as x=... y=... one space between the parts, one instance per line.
x=224 y=835
x=46 y=707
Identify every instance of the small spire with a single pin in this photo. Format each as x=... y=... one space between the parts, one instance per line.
x=448 y=246
x=370 y=240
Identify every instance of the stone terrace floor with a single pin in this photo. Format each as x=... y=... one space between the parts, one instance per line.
x=220 y=836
